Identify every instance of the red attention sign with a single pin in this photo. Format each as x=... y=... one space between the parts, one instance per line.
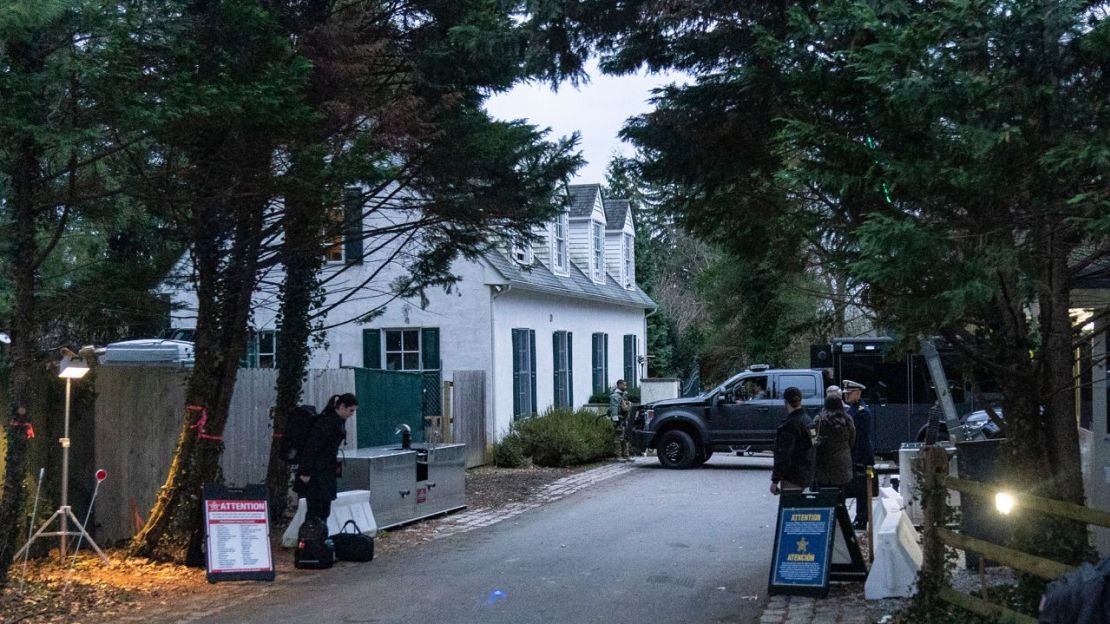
x=238 y=536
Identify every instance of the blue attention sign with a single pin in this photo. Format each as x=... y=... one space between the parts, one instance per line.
x=803 y=546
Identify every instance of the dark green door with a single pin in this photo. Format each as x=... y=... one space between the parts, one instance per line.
x=387 y=399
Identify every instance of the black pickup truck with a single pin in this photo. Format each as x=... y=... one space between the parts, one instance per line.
x=742 y=412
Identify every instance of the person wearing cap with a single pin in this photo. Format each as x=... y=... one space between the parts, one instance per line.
x=793 y=464
x=863 y=452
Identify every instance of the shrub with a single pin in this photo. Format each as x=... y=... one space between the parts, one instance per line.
x=561 y=437
x=600 y=397
x=603 y=397
x=509 y=452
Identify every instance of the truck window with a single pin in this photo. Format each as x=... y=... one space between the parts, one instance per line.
x=752 y=389
x=806 y=383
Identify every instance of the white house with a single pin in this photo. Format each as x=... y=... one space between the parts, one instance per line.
x=550 y=323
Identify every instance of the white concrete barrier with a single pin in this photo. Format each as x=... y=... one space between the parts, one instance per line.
x=351 y=505
x=897 y=556
x=889 y=499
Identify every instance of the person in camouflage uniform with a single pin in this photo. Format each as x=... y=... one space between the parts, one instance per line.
x=619 y=408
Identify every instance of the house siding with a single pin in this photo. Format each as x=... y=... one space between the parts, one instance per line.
x=476 y=318
x=547 y=314
x=614 y=234
x=581 y=238
x=541 y=248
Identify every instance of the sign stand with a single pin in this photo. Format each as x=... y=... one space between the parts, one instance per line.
x=814 y=543
x=237 y=533
x=847 y=560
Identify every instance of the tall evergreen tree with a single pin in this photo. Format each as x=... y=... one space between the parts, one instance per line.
x=951 y=156
x=232 y=90
x=397 y=90
x=68 y=252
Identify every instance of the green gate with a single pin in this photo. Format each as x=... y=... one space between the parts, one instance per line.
x=387 y=399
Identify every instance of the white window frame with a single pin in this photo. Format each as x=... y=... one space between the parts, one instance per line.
x=267 y=336
x=628 y=263
x=523 y=254
x=335 y=245
x=560 y=253
x=598 y=251
x=403 y=351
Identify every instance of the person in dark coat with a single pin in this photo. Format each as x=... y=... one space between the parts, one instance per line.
x=836 y=435
x=318 y=472
x=863 y=452
x=793 y=446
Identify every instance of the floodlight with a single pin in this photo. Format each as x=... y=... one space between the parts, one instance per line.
x=1004 y=502
x=74 y=371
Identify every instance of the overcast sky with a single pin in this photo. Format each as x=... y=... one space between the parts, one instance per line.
x=596 y=110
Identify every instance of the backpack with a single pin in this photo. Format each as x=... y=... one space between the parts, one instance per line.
x=1081 y=596
x=314 y=549
x=298 y=424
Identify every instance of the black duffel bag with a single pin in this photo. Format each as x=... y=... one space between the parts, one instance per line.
x=353 y=546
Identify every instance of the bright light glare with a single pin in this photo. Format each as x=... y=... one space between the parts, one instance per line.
x=73 y=371
x=1004 y=501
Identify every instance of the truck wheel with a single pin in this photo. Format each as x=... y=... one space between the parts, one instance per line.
x=676 y=449
x=703 y=454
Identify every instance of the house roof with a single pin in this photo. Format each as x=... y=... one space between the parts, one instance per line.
x=615 y=212
x=1094 y=275
x=582 y=198
x=538 y=277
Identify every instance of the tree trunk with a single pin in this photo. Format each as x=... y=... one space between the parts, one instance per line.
x=24 y=342
x=1060 y=477
x=227 y=278
x=1057 y=377
x=302 y=257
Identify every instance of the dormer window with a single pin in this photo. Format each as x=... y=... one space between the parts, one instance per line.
x=599 y=251
x=629 y=265
x=343 y=230
x=522 y=253
x=559 y=243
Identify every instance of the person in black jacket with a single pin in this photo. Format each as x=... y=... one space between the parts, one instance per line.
x=793 y=446
x=318 y=472
x=863 y=452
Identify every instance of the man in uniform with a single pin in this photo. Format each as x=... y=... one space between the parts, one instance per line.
x=619 y=406
x=863 y=453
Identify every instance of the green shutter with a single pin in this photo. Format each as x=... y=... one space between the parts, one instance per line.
x=517 y=360
x=630 y=359
x=605 y=362
x=533 y=406
x=595 y=351
x=371 y=348
x=250 y=358
x=429 y=348
x=570 y=370
x=556 y=352
x=352 y=227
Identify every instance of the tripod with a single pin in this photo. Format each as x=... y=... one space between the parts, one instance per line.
x=64 y=513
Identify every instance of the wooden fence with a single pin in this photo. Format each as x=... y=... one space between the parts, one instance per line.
x=138 y=417
x=936 y=484
x=468 y=412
